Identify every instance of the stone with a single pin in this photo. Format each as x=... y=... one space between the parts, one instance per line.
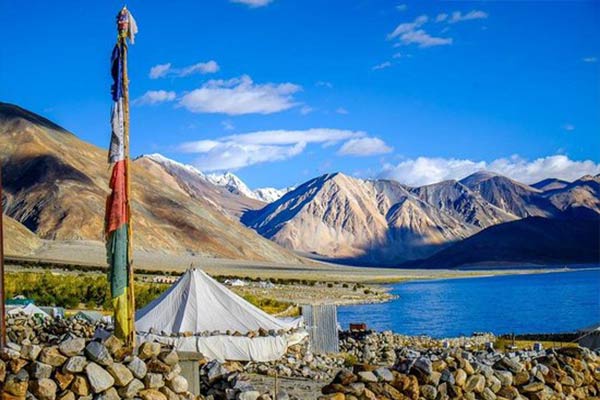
x=367 y=376
x=447 y=377
x=216 y=371
x=384 y=374
x=72 y=347
x=151 y=394
x=137 y=367
x=488 y=394
x=429 y=392
x=120 y=373
x=16 y=384
x=533 y=387
x=521 y=378
x=108 y=394
x=98 y=378
x=505 y=377
x=17 y=365
x=51 y=356
x=460 y=376
x=44 y=389
x=248 y=395
x=148 y=350
x=154 y=381
x=494 y=383
x=356 y=388
x=114 y=345
x=63 y=379
x=39 y=370
x=345 y=377
x=169 y=394
x=66 y=395
x=96 y=352
x=178 y=384
x=423 y=365
x=475 y=383
x=132 y=389
x=2 y=370
x=80 y=386
x=75 y=364
x=157 y=366
x=169 y=357
x=333 y=396
x=30 y=351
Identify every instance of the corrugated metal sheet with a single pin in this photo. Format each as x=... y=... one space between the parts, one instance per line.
x=321 y=323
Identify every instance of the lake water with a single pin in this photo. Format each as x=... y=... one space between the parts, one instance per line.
x=539 y=303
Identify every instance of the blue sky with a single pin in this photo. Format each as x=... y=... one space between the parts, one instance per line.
x=281 y=91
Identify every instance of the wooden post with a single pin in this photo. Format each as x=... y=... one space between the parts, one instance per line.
x=2 y=299
x=130 y=287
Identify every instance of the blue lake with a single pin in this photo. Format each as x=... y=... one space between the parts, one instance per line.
x=538 y=303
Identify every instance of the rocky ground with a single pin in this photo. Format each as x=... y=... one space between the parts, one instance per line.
x=56 y=359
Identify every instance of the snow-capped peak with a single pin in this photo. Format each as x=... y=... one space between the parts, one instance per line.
x=232 y=183
x=227 y=180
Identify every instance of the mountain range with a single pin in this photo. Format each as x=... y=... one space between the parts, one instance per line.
x=55 y=186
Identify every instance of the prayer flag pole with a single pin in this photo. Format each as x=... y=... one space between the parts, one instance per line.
x=118 y=227
x=2 y=300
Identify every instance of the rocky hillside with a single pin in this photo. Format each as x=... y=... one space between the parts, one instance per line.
x=339 y=217
x=383 y=222
x=55 y=185
x=533 y=240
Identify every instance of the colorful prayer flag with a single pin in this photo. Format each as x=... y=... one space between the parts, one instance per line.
x=118 y=215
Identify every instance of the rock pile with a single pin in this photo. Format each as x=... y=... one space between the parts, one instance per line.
x=33 y=329
x=380 y=347
x=437 y=374
x=299 y=362
x=84 y=369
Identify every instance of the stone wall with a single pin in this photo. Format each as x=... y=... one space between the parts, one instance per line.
x=87 y=369
x=439 y=374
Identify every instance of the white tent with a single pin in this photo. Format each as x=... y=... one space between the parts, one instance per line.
x=29 y=309
x=590 y=337
x=197 y=303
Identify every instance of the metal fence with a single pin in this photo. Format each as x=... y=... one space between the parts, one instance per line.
x=321 y=323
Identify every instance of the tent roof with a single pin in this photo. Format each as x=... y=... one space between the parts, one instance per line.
x=197 y=303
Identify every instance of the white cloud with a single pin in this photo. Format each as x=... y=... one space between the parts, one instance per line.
x=401 y=7
x=238 y=151
x=155 y=96
x=367 y=146
x=424 y=170
x=397 y=55
x=160 y=70
x=164 y=70
x=228 y=125
x=410 y=33
x=383 y=65
x=441 y=17
x=408 y=26
x=304 y=110
x=590 y=59
x=423 y=39
x=341 y=110
x=457 y=16
x=239 y=96
x=569 y=127
x=325 y=84
x=209 y=67
x=253 y=3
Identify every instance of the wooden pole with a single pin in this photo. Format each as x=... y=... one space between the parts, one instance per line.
x=2 y=300
x=130 y=296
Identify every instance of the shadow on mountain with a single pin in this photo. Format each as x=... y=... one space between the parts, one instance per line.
x=13 y=112
x=26 y=172
x=573 y=238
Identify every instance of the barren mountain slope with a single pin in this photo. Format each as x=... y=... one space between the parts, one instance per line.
x=56 y=185
x=511 y=196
